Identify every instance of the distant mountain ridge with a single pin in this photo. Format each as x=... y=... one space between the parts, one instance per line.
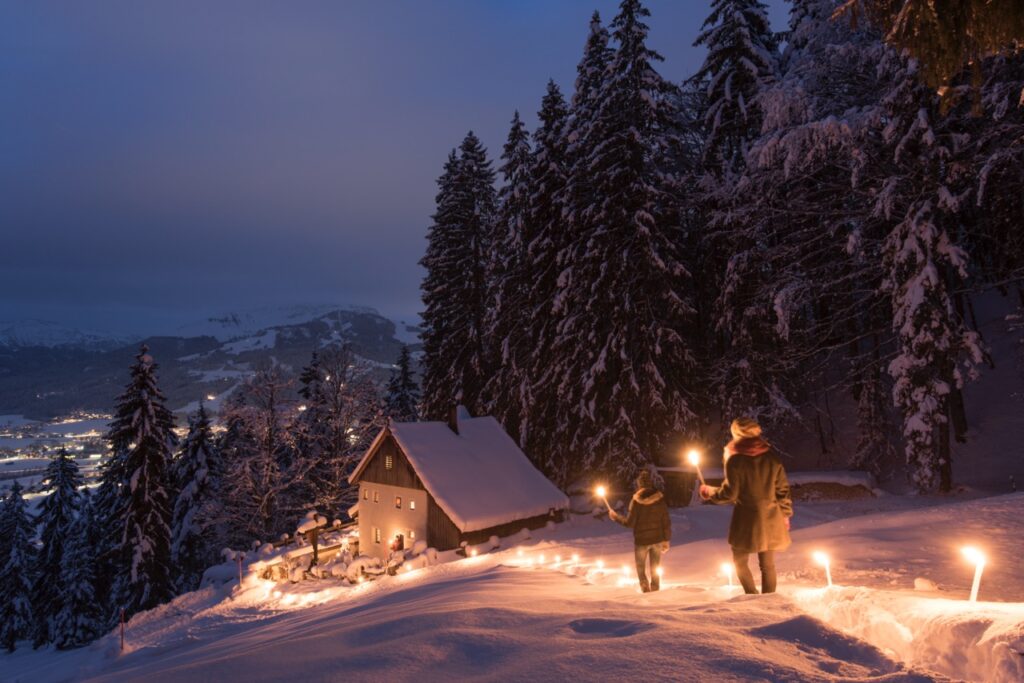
x=46 y=333
x=82 y=371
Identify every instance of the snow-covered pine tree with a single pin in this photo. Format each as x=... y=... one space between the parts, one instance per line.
x=16 y=570
x=551 y=215
x=135 y=495
x=403 y=394
x=622 y=358
x=198 y=475
x=798 y=270
x=741 y=58
x=78 y=621
x=455 y=287
x=922 y=263
x=58 y=512
x=509 y=281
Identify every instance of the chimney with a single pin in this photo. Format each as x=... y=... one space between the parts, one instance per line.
x=453 y=418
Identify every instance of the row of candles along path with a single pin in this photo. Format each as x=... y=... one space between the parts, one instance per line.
x=972 y=554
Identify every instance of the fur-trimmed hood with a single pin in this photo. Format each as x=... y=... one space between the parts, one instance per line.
x=647 y=496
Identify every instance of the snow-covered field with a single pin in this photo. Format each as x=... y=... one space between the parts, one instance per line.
x=530 y=613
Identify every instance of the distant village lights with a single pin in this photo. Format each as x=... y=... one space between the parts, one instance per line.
x=976 y=557
x=822 y=559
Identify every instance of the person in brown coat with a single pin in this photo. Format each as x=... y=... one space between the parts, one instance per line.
x=755 y=483
x=652 y=530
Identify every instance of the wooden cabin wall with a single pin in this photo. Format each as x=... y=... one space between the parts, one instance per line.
x=510 y=528
x=441 y=530
x=401 y=473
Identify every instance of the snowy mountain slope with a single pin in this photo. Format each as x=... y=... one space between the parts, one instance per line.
x=49 y=334
x=44 y=382
x=507 y=616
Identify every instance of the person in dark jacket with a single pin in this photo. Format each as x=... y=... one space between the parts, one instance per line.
x=652 y=530
x=756 y=485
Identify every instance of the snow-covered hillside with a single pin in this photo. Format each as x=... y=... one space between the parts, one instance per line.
x=531 y=612
x=49 y=334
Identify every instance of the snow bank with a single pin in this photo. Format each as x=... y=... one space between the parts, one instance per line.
x=974 y=641
x=844 y=477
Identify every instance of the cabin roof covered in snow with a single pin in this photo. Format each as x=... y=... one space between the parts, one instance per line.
x=479 y=477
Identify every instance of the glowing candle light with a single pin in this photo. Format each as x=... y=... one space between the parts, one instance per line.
x=542 y=559
x=575 y=559
x=727 y=570
x=600 y=564
x=625 y=570
x=694 y=457
x=519 y=553
x=473 y=553
x=660 y=572
x=822 y=559
x=978 y=558
x=558 y=560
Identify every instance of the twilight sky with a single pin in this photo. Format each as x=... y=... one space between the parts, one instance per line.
x=164 y=161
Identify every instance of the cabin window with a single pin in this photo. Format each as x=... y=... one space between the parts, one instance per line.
x=412 y=504
x=398 y=502
x=366 y=494
x=376 y=534
x=376 y=496
x=389 y=462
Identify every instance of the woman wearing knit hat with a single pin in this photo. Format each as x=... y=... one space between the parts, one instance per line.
x=755 y=483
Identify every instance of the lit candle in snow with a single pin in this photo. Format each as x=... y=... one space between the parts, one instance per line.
x=822 y=559
x=978 y=558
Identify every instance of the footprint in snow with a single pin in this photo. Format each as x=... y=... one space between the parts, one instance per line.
x=609 y=628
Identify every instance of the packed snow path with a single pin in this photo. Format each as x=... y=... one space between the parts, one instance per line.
x=506 y=616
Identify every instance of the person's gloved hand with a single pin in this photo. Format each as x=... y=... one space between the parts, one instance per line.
x=705 y=491
x=663 y=547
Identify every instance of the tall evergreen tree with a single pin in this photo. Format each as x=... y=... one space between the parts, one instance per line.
x=198 y=474
x=134 y=492
x=455 y=289
x=403 y=394
x=740 y=59
x=58 y=512
x=622 y=357
x=16 y=565
x=509 y=281
x=78 y=621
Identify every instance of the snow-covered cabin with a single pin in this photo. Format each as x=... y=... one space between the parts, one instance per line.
x=446 y=483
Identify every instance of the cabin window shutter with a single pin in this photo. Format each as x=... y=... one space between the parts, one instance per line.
x=366 y=494
x=376 y=534
x=376 y=496
x=412 y=504
x=389 y=462
x=398 y=502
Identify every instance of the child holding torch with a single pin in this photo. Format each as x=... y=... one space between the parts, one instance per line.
x=652 y=529
x=756 y=485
